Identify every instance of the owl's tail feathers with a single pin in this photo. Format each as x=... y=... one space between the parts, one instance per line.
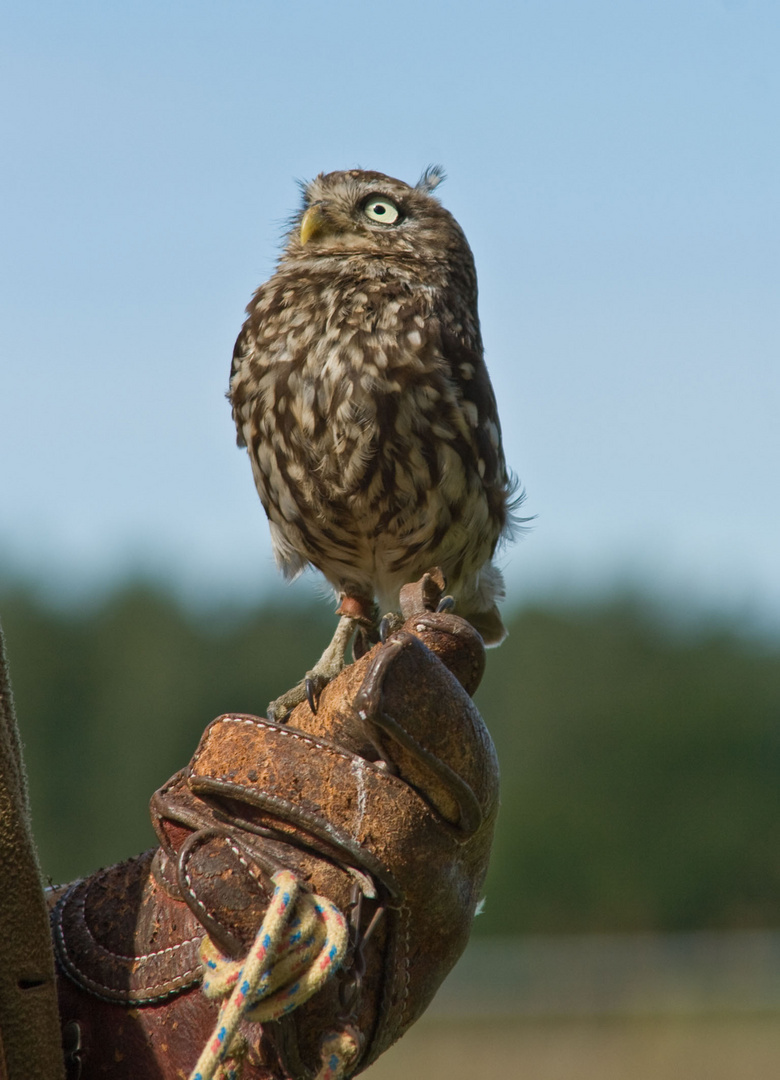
x=515 y=525
x=488 y=624
x=478 y=605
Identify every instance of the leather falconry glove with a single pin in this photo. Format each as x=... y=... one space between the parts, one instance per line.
x=376 y=812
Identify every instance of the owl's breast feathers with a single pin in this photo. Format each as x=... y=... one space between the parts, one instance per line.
x=371 y=424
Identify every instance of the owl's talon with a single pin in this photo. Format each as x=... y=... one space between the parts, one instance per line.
x=447 y=603
x=277 y=711
x=312 y=696
x=314 y=682
x=388 y=625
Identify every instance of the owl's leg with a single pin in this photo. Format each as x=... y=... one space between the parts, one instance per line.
x=331 y=662
x=356 y=613
x=366 y=615
x=327 y=667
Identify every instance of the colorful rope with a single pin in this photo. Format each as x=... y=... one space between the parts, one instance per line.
x=338 y=1050
x=300 y=944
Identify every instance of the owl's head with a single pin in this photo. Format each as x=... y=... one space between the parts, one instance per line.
x=367 y=213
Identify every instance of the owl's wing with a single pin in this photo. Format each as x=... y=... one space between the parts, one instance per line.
x=242 y=350
x=468 y=371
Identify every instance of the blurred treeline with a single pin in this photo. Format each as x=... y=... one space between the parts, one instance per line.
x=640 y=765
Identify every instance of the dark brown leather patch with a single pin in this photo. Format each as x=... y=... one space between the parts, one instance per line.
x=118 y=958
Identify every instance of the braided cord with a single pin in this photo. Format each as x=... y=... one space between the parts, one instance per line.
x=300 y=944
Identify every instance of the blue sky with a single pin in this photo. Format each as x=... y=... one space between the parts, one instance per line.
x=614 y=165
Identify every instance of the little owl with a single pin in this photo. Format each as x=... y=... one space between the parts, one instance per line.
x=360 y=391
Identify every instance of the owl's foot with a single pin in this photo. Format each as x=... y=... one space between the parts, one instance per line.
x=313 y=683
x=389 y=624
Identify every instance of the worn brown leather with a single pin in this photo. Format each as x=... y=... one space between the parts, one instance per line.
x=29 y=1028
x=383 y=801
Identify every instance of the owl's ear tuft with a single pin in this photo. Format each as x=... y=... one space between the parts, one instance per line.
x=431 y=178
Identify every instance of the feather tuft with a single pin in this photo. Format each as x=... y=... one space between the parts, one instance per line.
x=431 y=178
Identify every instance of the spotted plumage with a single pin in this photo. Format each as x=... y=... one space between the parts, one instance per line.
x=360 y=391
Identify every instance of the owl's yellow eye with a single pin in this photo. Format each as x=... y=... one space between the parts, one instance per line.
x=381 y=210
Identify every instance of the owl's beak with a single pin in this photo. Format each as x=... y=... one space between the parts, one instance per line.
x=314 y=223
